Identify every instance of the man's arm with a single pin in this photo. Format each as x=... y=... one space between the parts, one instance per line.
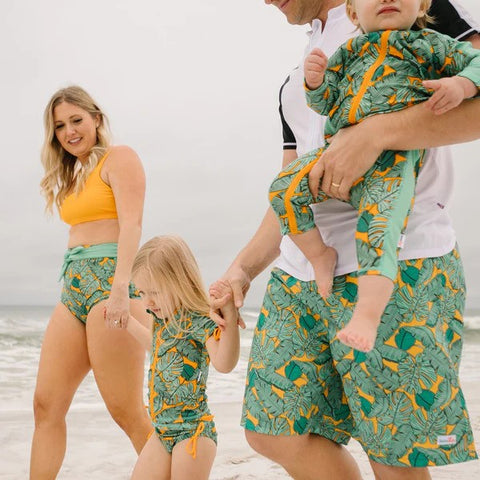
x=354 y=150
x=259 y=253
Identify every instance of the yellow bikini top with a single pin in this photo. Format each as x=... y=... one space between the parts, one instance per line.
x=94 y=202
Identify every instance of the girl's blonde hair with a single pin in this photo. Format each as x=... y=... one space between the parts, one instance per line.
x=60 y=177
x=420 y=22
x=168 y=266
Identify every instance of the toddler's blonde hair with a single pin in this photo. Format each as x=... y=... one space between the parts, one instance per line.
x=168 y=265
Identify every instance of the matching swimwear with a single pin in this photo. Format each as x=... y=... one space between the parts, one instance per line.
x=95 y=202
x=373 y=73
x=402 y=401
x=88 y=270
x=88 y=273
x=177 y=381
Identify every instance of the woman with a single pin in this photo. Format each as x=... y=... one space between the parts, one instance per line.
x=99 y=190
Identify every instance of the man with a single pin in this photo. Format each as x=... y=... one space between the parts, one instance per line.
x=307 y=394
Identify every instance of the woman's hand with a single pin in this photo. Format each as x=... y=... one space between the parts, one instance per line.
x=351 y=153
x=116 y=310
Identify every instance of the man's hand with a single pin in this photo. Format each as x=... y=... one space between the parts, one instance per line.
x=239 y=283
x=351 y=153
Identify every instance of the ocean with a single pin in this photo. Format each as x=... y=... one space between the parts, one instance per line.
x=21 y=332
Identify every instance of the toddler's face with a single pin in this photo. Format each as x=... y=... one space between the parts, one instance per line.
x=152 y=299
x=375 y=15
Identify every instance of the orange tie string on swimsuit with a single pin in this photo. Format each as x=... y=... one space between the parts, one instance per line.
x=192 y=443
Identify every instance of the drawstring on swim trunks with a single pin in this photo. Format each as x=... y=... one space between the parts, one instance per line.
x=192 y=443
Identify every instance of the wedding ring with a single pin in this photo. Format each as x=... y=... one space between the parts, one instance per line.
x=116 y=322
x=336 y=185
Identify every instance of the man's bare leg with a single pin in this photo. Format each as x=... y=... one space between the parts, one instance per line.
x=305 y=456
x=386 y=472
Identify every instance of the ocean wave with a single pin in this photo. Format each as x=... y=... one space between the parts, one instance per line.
x=472 y=322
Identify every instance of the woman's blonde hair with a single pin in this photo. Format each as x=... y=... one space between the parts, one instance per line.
x=168 y=265
x=420 y=22
x=60 y=177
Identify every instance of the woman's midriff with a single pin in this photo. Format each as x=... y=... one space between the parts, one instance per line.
x=92 y=233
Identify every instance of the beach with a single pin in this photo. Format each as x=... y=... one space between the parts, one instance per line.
x=96 y=447
x=98 y=450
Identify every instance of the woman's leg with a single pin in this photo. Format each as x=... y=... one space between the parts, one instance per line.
x=185 y=467
x=118 y=362
x=63 y=365
x=154 y=462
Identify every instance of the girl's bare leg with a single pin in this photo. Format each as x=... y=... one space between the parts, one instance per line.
x=154 y=462
x=185 y=467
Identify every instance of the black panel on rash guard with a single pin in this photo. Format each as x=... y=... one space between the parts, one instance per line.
x=289 y=141
x=451 y=19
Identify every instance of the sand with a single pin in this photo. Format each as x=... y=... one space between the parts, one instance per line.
x=98 y=450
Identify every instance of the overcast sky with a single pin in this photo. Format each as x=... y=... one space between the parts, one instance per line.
x=193 y=88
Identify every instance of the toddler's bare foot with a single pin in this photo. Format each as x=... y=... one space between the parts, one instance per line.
x=360 y=333
x=324 y=268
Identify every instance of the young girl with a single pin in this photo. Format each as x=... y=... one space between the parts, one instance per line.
x=389 y=67
x=183 y=340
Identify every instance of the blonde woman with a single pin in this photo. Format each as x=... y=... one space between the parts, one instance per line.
x=183 y=342
x=99 y=190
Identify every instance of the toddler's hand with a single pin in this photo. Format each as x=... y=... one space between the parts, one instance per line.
x=449 y=92
x=221 y=298
x=314 y=68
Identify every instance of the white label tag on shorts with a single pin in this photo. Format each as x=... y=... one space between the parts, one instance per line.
x=401 y=242
x=446 y=440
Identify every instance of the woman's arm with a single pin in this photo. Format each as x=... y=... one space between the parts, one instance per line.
x=126 y=177
x=140 y=332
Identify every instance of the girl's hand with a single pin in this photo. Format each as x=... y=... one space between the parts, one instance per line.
x=314 y=68
x=222 y=305
x=449 y=92
x=117 y=309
